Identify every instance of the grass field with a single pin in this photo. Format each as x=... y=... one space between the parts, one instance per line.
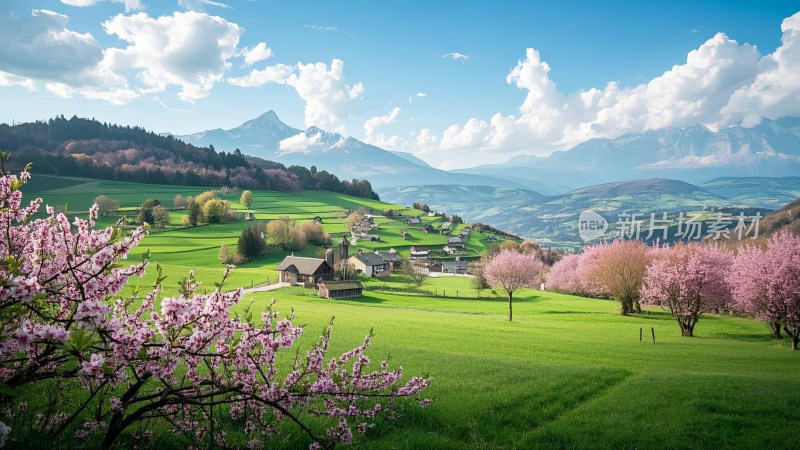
x=177 y=245
x=569 y=372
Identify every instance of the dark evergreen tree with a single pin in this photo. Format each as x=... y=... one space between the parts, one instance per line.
x=251 y=242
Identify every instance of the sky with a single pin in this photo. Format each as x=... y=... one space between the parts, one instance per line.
x=456 y=83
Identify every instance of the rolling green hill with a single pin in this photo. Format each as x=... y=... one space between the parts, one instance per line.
x=553 y=220
x=176 y=245
x=761 y=192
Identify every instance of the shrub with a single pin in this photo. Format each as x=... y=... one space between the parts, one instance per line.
x=246 y=199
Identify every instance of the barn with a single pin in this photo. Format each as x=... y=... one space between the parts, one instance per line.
x=340 y=289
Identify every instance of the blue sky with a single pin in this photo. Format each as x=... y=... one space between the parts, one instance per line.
x=455 y=83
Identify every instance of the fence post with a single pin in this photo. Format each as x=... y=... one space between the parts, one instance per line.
x=653 y=330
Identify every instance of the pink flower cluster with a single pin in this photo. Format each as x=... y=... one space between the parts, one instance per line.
x=688 y=280
x=766 y=284
x=56 y=295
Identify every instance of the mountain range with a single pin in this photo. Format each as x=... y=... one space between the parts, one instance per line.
x=694 y=154
x=665 y=170
x=267 y=138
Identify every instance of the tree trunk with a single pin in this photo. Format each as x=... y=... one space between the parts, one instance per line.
x=775 y=327
x=118 y=421
x=114 y=430
x=795 y=340
x=637 y=307
x=687 y=327
x=510 y=311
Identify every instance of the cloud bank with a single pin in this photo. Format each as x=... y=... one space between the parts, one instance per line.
x=187 y=53
x=721 y=83
x=329 y=99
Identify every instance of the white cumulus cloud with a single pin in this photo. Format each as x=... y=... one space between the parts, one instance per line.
x=387 y=142
x=374 y=122
x=775 y=91
x=7 y=79
x=329 y=99
x=299 y=143
x=41 y=46
x=425 y=142
x=189 y=50
x=721 y=83
x=258 y=53
x=278 y=73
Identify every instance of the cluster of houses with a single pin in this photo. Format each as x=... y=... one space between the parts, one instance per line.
x=416 y=223
x=363 y=230
x=455 y=244
x=319 y=273
x=420 y=258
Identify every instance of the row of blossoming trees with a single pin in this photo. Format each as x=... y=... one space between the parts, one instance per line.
x=175 y=362
x=689 y=279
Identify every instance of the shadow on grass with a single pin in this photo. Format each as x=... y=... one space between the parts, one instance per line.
x=746 y=337
x=590 y=313
x=653 y=316
x=363 y=300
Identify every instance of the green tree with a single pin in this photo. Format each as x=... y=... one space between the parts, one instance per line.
x=414 y=276
x=246 y=199
x=251 y=242
x=226 y=256
x=314 y=233
x=278 y=233
x=145 y=214
x=195 y=213
x=214 y=211
x=160 y=216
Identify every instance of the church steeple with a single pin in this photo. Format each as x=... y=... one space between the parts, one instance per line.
x=343 y=254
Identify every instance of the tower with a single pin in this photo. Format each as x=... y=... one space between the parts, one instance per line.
x=343 y=251
x=329 y=257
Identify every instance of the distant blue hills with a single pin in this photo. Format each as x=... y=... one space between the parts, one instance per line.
x=671 y=169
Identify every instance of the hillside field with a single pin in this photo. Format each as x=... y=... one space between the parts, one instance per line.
x=569 y=372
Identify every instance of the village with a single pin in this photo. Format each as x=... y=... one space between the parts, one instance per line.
x=336 y=275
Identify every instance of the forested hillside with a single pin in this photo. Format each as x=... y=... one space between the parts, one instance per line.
x=89 y=148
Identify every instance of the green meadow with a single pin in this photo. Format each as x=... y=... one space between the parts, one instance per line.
x=569 y=372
